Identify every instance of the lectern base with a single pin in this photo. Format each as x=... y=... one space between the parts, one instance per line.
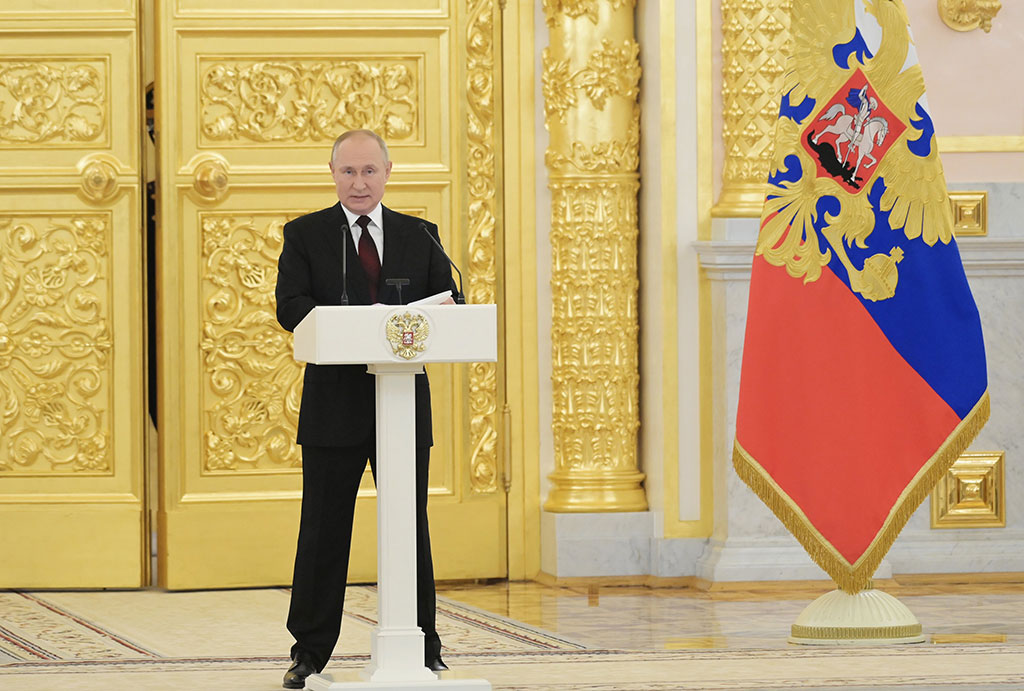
x=449 y=681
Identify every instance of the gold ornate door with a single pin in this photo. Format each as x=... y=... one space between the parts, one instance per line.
x=250 y=95
x=71 y=296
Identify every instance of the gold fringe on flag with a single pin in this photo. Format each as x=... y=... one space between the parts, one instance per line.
x=853 y=578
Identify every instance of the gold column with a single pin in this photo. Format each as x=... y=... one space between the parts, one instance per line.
x=590 y=81
x=755 y=42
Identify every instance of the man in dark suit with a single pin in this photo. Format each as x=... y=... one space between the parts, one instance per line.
x=337 y=416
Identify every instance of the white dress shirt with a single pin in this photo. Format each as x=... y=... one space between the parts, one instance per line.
x=376 y=228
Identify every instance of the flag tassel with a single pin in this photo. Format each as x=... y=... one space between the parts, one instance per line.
x=857 y=577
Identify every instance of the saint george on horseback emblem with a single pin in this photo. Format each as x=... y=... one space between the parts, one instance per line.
x=851 y=134
x=855 y=182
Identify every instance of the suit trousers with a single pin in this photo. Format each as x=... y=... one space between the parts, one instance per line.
x=330 y=481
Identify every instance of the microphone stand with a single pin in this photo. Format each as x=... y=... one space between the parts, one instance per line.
x=344 y=262
x=460 y=298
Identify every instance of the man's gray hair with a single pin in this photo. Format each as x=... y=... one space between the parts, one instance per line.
x=366 y=133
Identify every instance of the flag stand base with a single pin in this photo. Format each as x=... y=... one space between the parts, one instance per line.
x=870 y=617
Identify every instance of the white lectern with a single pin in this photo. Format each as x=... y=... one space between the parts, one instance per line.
x=394 y=342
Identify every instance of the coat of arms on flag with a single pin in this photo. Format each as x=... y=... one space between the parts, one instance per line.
x=864 y=372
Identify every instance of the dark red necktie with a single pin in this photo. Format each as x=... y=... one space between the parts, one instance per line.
x=368 y=257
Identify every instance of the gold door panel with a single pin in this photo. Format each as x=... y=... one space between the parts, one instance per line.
x=244 y=137
x=71 y=299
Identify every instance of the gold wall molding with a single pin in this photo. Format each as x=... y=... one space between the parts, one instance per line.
x=295 y=101
x=55 y=344
x=482 y=213
x=53 y=101
x=973 y=493
x=970 y=212
x=593 y=118
x=755 y=43
x=968 y=15
x=251 y=384
x=961 y=144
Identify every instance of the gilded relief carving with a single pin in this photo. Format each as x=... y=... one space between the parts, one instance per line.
x=252 y=385
x=291 y=100
x=592 y=113
x=482 y=187
x=967 y=15
x=52 y=101
x=210 y=179
x=55 y=344
x=580 y=8
x=614 y=70
x=755 y=43
x=606 y=157
x=594 y=331
x=99 y=178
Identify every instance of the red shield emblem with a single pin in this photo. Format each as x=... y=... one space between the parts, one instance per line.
x=851 y=133
x=408 y=338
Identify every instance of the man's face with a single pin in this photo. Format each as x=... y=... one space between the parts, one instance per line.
x=360 y=173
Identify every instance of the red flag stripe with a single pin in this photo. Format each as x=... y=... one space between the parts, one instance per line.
x=829 y=408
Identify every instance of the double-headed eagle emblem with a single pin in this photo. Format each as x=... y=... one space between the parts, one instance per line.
x=407 y=332
x=855 y=148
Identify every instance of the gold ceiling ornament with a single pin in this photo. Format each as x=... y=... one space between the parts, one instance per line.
x=755 y=44
x=251 y=384
x=968 y=15
x=53 y=101
x=56 y=365
x=295 y=100
x=591 y=75
x=482 y=176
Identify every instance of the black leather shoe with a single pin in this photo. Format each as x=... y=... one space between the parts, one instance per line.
x=436 y=664
x=295 y=677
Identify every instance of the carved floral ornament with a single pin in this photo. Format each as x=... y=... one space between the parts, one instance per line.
x=482 y=212
x=52 y=101
x=614 y=70
x=55 y=344
x=967 y=15
x=612 y=156
x=575 y=9
x=251 y=384
x=289 y=100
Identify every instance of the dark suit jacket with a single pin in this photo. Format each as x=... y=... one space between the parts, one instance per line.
x=338 y=401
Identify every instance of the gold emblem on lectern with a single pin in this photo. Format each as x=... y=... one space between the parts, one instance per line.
x=407 y=333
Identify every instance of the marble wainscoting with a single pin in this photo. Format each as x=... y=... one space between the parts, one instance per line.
x=614 y=545
x=749 y=543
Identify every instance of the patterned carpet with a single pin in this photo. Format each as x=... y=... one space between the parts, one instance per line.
x=235 y=640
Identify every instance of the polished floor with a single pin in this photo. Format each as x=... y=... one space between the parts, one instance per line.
x=517 y=636
x=641 y=618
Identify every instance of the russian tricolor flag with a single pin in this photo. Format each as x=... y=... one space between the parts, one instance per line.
x=864 y=373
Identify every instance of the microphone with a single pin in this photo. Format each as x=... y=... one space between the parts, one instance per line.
x=460 y=298
x=344 y=261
